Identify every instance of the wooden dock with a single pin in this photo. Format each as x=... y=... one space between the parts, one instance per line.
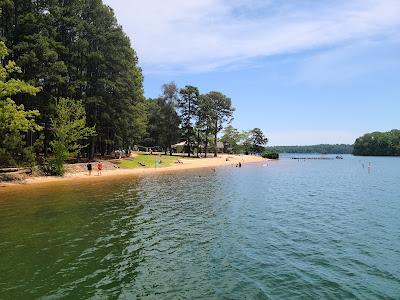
x=313 y=158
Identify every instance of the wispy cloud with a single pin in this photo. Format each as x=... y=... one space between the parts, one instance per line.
x=201 y=35
x=344 y=63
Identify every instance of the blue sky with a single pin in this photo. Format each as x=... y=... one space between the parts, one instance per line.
x=304 y=71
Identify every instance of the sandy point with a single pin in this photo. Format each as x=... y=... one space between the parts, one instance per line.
x=185 y=164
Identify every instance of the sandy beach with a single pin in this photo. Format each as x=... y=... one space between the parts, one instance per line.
x=186 y=164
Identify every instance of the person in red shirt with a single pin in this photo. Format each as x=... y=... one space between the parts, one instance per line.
x=99 y=168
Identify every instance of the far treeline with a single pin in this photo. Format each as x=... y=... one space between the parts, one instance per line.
x=320 y=149
x=378 y=144
x=70 y=86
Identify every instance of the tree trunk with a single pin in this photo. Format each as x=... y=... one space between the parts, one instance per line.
x=188 y=148
x=206 y=147
x=206 y=143
x=198 y=142
x=215 y=139
x=46 y=137
x=91 y=148
x=189 y=132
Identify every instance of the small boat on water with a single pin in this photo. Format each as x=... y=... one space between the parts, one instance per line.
x=339 y=157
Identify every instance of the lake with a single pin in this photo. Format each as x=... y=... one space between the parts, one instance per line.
x=288 y=229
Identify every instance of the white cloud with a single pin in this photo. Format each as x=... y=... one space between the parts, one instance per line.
x=344 y=63
x=199 y=35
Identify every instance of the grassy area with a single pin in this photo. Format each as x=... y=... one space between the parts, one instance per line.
x=149 y=161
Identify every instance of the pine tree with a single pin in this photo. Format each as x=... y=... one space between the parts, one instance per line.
x=188 y=104
x=15 y=121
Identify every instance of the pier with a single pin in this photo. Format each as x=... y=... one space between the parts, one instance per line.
x=319 y=158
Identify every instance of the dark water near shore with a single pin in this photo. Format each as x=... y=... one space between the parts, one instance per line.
x=292 y=229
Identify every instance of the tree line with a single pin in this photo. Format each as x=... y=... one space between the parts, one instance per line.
x=75 y=50
x=70 y=85
x=321 y=149
x=248 y=141
x=199 y=120
x=378 y=144
x=186 y=114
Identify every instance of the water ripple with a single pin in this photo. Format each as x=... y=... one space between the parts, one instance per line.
x=318 y=230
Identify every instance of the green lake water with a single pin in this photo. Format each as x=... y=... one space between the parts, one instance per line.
x=323 y=229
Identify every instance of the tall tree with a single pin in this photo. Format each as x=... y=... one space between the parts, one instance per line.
x=169 y=118
x=205 y=119
x=163 y=120
x=77 y=49
x=188 y=105
x=31 y=34
x=258 y=140
x=15 y=121
x=70 y=130
x=222 y=112
x=153 y=130
x=246 y=141
x=231 y=138
x=106 y=74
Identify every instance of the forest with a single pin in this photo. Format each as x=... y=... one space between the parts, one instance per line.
x=320 y=149
x=378 y=144
x=71 y=86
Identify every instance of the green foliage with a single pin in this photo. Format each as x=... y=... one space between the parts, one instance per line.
x=378 y=144
x=15 y=121
x=188 y=107
x=220 y=113
x=28 y=158
x=231 y=137
x=76 y=49
x=50 y=168
x=169 y=120
x=205 y=123
x=270 y=154
x=321 y=149
x=163 y=125
x=254 y=140
x=69 y=128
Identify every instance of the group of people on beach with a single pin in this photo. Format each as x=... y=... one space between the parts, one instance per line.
x=99 y=168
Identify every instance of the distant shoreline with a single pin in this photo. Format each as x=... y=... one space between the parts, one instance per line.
x=192 y=164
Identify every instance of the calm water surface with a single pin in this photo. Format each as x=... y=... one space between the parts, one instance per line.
x=289 y=229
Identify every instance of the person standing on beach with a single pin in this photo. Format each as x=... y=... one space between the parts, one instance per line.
x=89 y=168
x=99 y=168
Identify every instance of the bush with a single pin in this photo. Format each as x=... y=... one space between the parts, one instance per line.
x=28 y=157
x=270 y=155
x=6 y=159
x=51 y=168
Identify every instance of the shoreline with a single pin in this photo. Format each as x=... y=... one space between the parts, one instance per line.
x=187 y=164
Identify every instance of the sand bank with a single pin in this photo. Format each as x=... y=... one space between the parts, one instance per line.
x=186 y=164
